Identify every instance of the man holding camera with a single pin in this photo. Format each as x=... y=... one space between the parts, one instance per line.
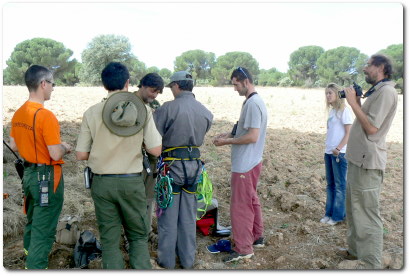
x=366 y=154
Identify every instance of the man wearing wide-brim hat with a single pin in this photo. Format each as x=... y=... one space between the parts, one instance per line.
x=183 y=123
x=111 y=136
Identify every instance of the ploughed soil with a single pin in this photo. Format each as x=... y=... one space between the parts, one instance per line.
x=292 y=186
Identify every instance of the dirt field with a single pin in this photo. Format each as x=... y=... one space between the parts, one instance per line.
x=292 y=187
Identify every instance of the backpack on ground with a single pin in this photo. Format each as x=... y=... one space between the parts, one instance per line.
x=86 y=249
x=68 y=230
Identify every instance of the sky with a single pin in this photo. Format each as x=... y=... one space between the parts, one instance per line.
x=161 y=31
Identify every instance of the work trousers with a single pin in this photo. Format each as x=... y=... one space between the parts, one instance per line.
x=149 y=181
x=365 y=232
x=246 y=213
x=40 y=230
x=120 y=202
x=177 y=231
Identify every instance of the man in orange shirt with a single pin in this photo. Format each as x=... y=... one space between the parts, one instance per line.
x=35 y=134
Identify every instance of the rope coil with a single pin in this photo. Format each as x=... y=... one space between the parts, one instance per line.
x=204 y=192
x=163 y=192
x=163 y=187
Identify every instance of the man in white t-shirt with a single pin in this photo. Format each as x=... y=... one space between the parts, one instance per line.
x=247 y=140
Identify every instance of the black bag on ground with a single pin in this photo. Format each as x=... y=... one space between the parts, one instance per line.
x=86 y=249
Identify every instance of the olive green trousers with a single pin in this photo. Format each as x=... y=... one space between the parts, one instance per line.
x=120 y=202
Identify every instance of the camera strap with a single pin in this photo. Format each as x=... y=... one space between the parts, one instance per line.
x=34 y=132
x=12 y=151
x=250 y=96
x=373 y=88
x=35 y=147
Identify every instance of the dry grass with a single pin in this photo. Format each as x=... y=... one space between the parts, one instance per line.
x=291 y=189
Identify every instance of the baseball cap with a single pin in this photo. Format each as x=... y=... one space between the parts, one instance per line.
x=180 y=76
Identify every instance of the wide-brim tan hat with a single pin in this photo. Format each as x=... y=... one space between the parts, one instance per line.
x=124 y=114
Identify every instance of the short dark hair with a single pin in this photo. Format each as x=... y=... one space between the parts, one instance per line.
x=35 y=75
x=186 y=85
x=380 y=59
x=152 y=80
x=242 y=74
x=114 y=76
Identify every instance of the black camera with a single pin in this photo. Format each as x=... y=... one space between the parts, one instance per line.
x=356 y=87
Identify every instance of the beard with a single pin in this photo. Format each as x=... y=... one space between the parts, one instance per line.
x=370 y=80
x=243 y=91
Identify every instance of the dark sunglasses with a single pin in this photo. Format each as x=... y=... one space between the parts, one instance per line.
x=243 y=72
x=52 y=83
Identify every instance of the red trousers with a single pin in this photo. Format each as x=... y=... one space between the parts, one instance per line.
x=246 y=213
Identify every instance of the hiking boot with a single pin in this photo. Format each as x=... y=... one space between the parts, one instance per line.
x=344 y=253
x=325 y=219
x=259 y=243
x=235 y=256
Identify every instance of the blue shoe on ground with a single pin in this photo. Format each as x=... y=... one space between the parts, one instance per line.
x=220 y=246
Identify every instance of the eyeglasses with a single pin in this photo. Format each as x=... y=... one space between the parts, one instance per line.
x=243 y=72
x=52 y=83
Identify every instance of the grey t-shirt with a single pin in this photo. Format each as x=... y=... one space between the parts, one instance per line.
x=253 y=115
x=183 y=122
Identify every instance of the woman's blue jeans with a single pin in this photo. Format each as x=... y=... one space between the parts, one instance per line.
x=336 y=172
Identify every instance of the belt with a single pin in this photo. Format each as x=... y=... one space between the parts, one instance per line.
x=181 y=153
x=119 y=175
x=28 y=164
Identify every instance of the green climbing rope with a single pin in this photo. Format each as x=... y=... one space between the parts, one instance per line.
x=204 y=191
x=163 y=191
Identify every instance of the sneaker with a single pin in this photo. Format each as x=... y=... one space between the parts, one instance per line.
x=325 y=219
x=220 y=246
x=235 y=256
x=259 y=243
x=331 y=222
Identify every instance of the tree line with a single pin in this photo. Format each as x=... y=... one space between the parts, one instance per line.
x=309 y=66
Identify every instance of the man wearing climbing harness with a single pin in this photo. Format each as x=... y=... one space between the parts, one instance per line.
x=183 y=123
x=150 y=86
x=111 y=137
x=247 y=140
x=35 y=134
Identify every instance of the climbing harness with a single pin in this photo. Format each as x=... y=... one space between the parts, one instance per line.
x=204 y=192
x=164 y=190
x=181 y=153
x=185 y=153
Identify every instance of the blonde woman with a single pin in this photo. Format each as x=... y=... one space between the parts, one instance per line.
x=339 y=123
